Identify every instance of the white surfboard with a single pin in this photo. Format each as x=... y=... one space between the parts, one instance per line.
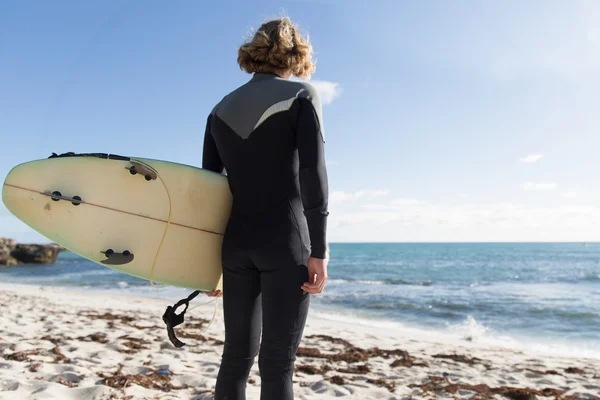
x=115 y=210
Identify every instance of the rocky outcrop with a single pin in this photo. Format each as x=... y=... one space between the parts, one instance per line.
x=7 y=246
x=12 y=253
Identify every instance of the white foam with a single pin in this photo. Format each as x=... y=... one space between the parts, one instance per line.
x=469 y=332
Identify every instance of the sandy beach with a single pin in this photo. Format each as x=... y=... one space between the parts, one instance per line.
x=62 y=344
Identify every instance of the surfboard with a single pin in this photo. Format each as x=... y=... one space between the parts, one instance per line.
x=157 y=220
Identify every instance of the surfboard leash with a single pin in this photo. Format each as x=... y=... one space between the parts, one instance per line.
x=170 y=317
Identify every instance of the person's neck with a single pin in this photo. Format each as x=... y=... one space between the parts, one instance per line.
x=274 y=74
x=259 y=76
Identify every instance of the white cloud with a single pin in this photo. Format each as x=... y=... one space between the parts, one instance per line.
x=538 y=186
x=375 y=207
x=339 y=196
x=369 y=194
x=571 y=195
x=470 y=222
x=328 y=91
x=532 y=158
x=406 y=202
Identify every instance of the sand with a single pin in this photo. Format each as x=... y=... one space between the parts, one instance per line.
x=62 y=344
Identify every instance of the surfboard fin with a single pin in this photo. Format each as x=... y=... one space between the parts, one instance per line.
x=113 y=258
x=57 y=196
x=139 y=168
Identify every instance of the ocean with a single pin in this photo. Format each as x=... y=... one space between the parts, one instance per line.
x=535 y=296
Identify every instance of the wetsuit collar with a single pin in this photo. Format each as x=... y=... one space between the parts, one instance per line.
x=261 y=76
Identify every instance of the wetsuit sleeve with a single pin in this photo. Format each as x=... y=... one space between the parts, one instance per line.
x=211 y=160
x=313 y=175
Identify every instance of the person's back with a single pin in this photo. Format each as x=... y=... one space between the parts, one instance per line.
x=268 y=136
x=256 y=127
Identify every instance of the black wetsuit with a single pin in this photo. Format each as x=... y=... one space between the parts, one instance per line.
x=268 y=137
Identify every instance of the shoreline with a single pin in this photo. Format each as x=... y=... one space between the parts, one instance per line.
x=455 y=335
x=61 y=343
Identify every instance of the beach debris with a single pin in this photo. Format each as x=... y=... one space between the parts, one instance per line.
x=308 y=369
x=195 y=336
x=382 y=382
x=325 y=368
x=548 y=372
x=56 y=340
x=203 y=391
x=150 y=380
x=124 y=319
x=69 y=379
x=349 y=353
x=34 y=367
x=94 y=337
x=332 y=339
x=21 y=356
x=462 y=359
x=59 y=356
x=313 y=369
x=574 y=370
x=133 y=344
x=66 y=382
x=350 y=356
x=337 y=380
x=196 y=323
x=407 y=361
x=25 y=356
x=438 y=384
x=310 y=352
x=140 y=327
x=358 y=369
x=377 y=352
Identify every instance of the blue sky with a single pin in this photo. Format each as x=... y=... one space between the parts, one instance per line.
x=445 y=120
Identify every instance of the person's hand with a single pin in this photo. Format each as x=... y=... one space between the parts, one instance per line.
x=214 y=293
x=317 y=275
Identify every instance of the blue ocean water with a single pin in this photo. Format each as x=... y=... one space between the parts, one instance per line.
x=528 y=294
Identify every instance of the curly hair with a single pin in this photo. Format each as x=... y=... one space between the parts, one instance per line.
x=278 y=48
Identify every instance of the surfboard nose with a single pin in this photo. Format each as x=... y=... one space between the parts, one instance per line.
x=11 y=195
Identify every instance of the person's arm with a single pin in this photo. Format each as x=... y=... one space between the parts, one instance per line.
x=313 y=173
x=211 y=160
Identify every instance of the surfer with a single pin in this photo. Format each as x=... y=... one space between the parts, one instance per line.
x=268 y=135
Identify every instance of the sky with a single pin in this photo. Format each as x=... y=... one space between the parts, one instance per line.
x=444 y=120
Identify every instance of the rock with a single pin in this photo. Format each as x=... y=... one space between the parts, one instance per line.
x=7 y=246
x=12 y=253
x=35 y=253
